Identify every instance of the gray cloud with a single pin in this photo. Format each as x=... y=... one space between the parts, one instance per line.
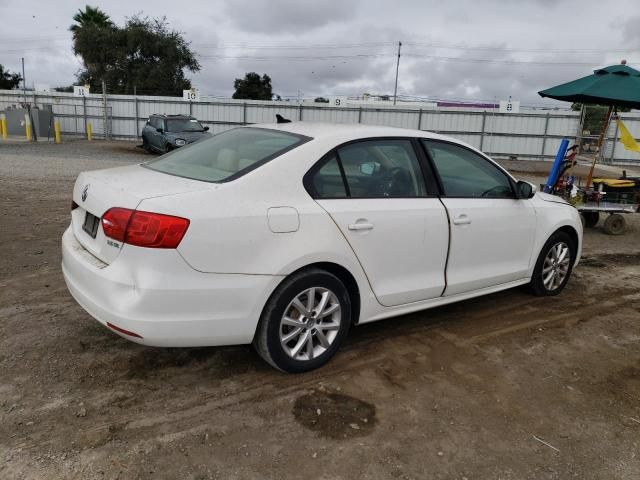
x=630 y=30
x=286 y=16
x=465 y=30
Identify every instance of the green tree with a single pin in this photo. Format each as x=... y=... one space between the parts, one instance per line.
x=145 y=54
x=8 y=80
x=253 y=87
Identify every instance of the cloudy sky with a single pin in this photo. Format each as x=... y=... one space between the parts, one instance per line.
x=455 y=49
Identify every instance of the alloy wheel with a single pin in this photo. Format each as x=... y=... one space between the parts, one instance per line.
x=310 y=323
x=556 y=266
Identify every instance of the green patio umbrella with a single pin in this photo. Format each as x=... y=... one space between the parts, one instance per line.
x=617 y=86
x=614 y=86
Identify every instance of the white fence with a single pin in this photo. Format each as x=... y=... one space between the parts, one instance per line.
x=528 y=134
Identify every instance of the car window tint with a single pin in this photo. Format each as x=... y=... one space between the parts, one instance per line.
x=153 y=122
x=178 y=125
x=227 y=154
x=327 y=181
x=382 y=169
x=464 y=173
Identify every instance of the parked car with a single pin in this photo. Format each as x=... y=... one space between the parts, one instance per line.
x=287 y=235
x=163 y=133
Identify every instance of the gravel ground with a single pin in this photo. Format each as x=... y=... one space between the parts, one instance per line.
x=507 y=386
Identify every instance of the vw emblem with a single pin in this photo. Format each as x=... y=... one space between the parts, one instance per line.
x=85 y=192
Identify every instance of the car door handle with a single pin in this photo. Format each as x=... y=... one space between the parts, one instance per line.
x=461 y=219
x=361 y=226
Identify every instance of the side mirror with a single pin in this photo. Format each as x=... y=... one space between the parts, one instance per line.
x=206 y=129
x=525 y=190
x=159 y=129
x=369 y=168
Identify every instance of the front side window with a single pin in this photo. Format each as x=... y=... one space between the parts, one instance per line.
x=372 y=169
x=227 y=155
x=464 y=173
x=177 y=125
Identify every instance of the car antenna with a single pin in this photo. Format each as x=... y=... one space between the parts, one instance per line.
x=281 y=119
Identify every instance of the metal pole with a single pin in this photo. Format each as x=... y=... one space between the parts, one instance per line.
x=24 y=82
x=583 y=115
x=135 y=99
x=615 y=141
x=484 y=119
x=84 y=113
x=544 y=139
x=420 y=119
x=395 y=89
x=360 y=114
x=104 y=108
x=300 y=112
x=244 y=113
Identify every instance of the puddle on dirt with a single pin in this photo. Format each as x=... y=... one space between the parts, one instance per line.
x=334 y=415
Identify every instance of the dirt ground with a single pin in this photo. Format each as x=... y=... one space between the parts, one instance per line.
x=508 y=386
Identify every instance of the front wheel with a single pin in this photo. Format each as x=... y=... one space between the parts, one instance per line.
x=554 y=265
x=304 y=322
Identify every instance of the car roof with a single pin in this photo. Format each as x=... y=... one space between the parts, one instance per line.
x=164 y=115
x=344 y=132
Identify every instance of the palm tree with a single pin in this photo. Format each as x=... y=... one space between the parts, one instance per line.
x=90 y=16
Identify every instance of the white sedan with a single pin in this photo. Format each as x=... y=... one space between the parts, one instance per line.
x=286 y=235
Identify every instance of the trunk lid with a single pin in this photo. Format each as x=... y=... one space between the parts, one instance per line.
x=97 y=191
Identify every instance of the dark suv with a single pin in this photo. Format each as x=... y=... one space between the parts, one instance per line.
x=163 y=133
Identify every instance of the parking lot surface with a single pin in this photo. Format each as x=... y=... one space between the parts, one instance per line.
x=507 y=386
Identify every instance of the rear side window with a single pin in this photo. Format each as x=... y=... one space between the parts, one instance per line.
x=466 y=174
x=328 y=182
x=385 y=168
x=227 y=155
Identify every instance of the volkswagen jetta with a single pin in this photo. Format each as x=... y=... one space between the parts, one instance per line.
x=286 y=235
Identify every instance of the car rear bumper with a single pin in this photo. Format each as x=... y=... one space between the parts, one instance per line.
x=154 y=294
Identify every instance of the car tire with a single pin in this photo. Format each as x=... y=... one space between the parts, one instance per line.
x=167 y=148
x=554 y=265
x=309 y=306
x=145 y=145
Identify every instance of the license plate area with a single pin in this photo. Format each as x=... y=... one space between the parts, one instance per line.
x=90 y=224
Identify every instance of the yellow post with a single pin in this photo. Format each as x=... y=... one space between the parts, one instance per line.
x=3 y=126
x=56 y=129
x=89 y=131
x=27 y=126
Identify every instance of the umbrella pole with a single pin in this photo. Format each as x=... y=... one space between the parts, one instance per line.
x=603 y=134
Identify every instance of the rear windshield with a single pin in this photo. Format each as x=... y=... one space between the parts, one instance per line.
x=184 y=125
x=227 y=155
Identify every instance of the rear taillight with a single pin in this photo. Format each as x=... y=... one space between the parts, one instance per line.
x=144 y=229
x=115 y=221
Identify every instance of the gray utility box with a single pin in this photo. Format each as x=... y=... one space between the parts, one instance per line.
x=42 y=121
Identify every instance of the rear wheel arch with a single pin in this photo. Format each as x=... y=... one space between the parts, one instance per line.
x=344 y=275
